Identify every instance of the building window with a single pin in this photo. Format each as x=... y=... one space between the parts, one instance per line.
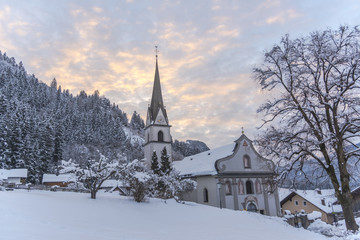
x=205 y=195
x=241 y=187
x=160 y=136
x=296 y=203
x=304 y=203
x=148 y=137
x=258 y=186
x=227 y=188
x=247 y=163
x=249 y=187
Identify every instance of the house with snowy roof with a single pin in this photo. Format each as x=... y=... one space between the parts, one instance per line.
x=112 y=185
x=309 y=201
x=61 y=180
x=233 y=176
x=17 y=176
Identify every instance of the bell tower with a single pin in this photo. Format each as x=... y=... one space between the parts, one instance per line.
x=157 y=129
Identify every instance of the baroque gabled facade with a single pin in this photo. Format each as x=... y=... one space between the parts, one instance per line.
x=157 y=129
x=234 y=176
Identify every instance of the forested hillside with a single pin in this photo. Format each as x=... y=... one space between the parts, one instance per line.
x=42 y=125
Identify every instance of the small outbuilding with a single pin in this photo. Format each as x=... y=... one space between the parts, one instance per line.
x=61 y=180
x=113 y=185
x=16 y=176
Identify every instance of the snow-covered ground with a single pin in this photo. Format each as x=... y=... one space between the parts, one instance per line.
x=339 y=232
x=43 y=215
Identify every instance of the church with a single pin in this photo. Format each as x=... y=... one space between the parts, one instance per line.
x=233 y=176
x=157 y=127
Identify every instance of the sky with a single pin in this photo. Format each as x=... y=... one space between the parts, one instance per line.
x=207 y=52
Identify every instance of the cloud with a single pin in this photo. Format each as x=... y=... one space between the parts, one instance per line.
x=283 y=16
x=207 y=51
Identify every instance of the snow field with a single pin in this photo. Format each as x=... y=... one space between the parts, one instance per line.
x=43 y=215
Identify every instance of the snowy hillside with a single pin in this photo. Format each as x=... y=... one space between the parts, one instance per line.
x=40 y=215
x=42 y=125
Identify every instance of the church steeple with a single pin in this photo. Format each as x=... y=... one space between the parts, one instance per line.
x=157 y=130
x=156 y=99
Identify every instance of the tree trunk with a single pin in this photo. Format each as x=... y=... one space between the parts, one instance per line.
x=345 y=201
x=93 y=194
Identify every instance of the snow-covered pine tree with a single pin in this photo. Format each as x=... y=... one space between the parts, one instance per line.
x=155 y=164
x=137 y=122
x=165 y=163
x=57 y=155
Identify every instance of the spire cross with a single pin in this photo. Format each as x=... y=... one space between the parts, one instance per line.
x=156 y=51
x=242 y=130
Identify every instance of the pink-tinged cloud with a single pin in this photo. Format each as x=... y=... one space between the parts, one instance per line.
x=207 y=52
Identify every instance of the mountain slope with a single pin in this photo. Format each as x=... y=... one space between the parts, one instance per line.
x=42 y=125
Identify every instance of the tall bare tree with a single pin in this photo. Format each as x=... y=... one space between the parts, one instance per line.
x=314 y=110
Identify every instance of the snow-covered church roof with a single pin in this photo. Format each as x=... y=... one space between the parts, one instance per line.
x=203 y=163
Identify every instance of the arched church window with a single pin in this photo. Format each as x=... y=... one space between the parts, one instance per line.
x=258 y=186
x=251 y=207
x=249 y=187
x=160 y=136
x=247 y=162
x=227 y=188
x=241 y=187
x=205 y=195
x=148 y=137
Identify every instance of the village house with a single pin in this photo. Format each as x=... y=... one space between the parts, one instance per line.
x=308 y=201
x=112 y=185
x=61 y=180
x=234 y=176
x=15 y=176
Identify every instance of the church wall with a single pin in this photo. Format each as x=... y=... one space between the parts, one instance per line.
x=158 y=147
x=272 y=206
x=236 y=162
x=229 y=200
x=208 y=182
x=244 y=198
x=153 y=133
x=238 y=200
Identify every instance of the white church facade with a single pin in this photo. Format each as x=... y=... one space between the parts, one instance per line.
x=234 y=176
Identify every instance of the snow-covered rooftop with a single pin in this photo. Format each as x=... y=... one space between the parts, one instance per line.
x=356 y=189
x=20 y=172
x=112 y=183
x=315 y=198
x=59 y=178
x=203 y=163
